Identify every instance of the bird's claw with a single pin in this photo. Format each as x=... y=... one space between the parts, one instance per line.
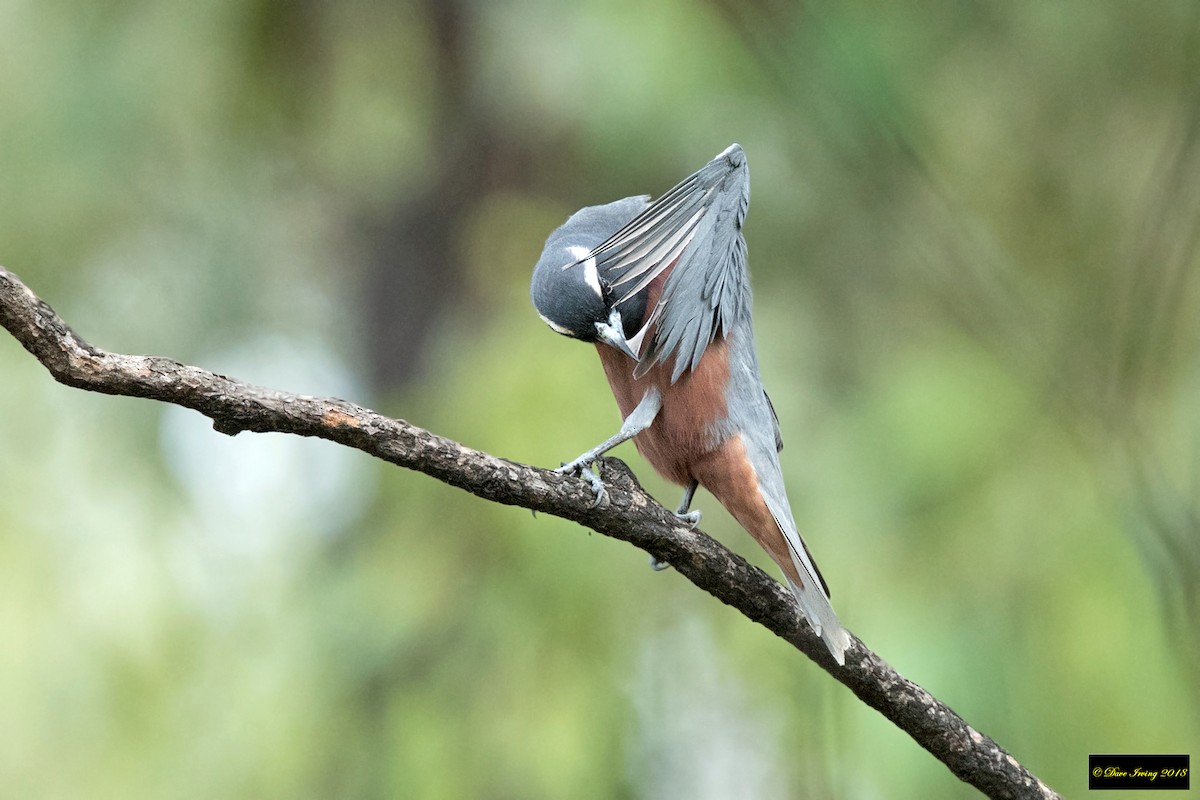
x=692 y=518
x=596 y=484
x=579 y=467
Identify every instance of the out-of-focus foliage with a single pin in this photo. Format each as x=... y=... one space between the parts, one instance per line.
x=973 y=236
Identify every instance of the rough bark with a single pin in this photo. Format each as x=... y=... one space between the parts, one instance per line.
x=629 y=514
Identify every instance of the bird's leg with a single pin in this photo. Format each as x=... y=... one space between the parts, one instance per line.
x=638 y=420
x=692 y=518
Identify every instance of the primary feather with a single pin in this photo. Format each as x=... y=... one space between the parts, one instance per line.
x=694 y=234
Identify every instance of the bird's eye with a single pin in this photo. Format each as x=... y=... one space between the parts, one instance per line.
x=606 y=292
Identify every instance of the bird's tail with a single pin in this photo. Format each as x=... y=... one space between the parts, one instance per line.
x=820 y=615
x=806 y=581
x=748 y=482
x=812 y=594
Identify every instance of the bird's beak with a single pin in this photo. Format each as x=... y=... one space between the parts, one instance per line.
x=612 y=333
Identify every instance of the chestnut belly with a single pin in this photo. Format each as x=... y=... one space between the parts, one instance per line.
x=691 y=423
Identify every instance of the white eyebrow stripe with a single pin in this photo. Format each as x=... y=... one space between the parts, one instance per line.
x=554 y=325
x=590 y=273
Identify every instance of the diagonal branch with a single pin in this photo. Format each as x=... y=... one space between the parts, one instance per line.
x=630 y=514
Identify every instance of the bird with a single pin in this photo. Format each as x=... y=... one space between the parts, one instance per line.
x=661 y=289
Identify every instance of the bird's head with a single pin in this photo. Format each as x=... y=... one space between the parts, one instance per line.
x=567 y=289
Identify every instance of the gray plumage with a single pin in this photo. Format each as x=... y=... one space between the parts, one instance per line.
x=751 y=414
x=604 y=259
x=695 y=231
x=560 y=289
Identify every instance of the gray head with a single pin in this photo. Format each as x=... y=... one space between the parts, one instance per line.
x=593 y=280
x=567 y=289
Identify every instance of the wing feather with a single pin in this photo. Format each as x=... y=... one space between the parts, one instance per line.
x=693 y=235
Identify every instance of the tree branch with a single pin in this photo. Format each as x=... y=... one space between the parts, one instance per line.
x=630 y=514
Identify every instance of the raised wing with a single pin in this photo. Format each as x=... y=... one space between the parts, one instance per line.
x=693 y=234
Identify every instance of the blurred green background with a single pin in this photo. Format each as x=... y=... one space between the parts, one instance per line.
x=974 y=242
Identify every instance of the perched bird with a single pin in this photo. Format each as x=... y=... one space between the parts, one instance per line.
x=661 y=289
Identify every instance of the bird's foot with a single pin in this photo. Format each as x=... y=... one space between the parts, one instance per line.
x=579 y=467
x=692 y=518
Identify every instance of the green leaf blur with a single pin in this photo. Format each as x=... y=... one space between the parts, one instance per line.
x=975 y=249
